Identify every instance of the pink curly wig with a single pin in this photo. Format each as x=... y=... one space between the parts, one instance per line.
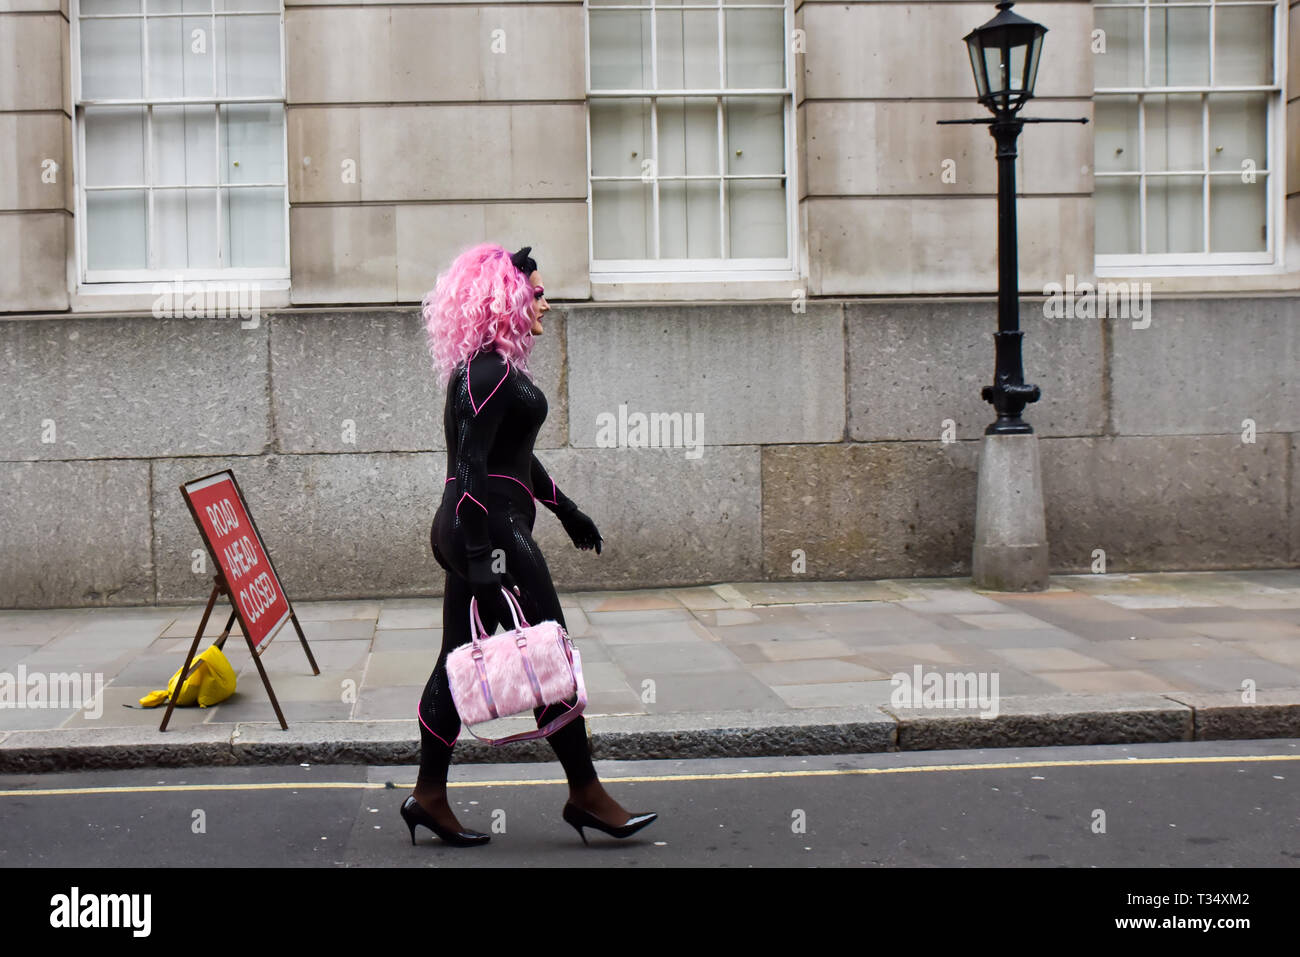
x=481 y=300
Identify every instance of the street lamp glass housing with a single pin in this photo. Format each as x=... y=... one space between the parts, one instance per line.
x=1004 y=58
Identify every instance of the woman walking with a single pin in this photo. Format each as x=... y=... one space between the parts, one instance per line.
x=481 y=319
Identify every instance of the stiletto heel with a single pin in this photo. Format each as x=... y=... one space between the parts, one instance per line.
x=580 y=819
x=413 y=813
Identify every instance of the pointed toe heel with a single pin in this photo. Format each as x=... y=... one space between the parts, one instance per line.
x=413 y=813
x=579 y=819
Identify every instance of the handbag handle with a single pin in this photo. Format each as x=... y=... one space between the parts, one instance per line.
x=516 y=612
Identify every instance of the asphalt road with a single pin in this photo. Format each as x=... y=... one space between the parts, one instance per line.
x=1207 y=804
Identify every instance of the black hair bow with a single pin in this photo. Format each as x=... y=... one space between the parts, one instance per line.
x=524 y=262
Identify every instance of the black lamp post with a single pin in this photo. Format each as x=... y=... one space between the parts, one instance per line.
x=1004 y=56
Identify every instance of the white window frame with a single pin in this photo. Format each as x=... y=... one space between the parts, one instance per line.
x=697 y=270
x=1207 y=263
x=135 y=280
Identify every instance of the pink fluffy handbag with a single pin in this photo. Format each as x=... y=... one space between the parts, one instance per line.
x=528 y=667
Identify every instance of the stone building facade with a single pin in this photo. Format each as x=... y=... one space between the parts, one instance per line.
x=218 y=219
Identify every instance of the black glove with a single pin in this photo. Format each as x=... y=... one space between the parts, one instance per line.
x=581 y=529
x=486 y=586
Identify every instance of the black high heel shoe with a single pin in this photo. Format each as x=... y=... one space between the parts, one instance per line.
x=413 y=813
x=580 y=819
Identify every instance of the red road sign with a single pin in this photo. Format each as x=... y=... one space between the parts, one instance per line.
x=232 y=539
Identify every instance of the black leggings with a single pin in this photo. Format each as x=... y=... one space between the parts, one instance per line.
x=511 y=513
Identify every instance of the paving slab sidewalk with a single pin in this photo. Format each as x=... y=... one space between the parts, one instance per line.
x=733 y=669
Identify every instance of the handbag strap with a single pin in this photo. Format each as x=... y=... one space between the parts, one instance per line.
x=483 y=683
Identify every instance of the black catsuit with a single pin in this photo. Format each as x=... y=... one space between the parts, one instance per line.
x=492 y=417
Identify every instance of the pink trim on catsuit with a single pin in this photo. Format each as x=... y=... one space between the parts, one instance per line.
x=435 y=733
x=513 y=479
x=490 y=394
x=476 y=408
x=472 y=499
x=553 y=497
x=452 y=478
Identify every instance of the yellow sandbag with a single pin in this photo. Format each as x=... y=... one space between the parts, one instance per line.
x=211 y=681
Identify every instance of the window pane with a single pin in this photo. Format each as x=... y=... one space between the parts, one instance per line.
x=186 y=227
x=180 y=6
x=90 y=8
x=1174 y=220
x=620 y=137
x=254 y=226
x=1116 y=142
x=688 y=220
x=688 y=49
x=1243 y=45
x=111 y=64
x=180 y=56
x=620 y=49
x=252 y=143
x=184 y=146
x=755 y=135
x=1017 y=72
x=993 y=70
x=1030 y=76
x=688 y=137
x=270 y=6
x=115 y=229
x=755 y=48
x=1121 y=64
x=621 y=220
x=1174 y=132
x=115 y=138
x=248 y=56
x=1238 y=130
x=1180 y=46
x=756 y=214
x=1118 y=218
x=1238 y=214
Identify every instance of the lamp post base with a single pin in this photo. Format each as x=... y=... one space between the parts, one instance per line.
x=1010 y=551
